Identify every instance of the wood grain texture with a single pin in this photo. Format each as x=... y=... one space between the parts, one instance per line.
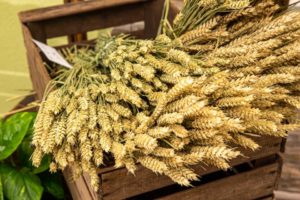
x=283 y=195
x=38 y=72
x=71 y=9
x=79 y=187
x=69 y=20
x=153 y=12
x=244 y=186
x=175 y=7
x=86 y=177
x=118 y=183
x=290 y=179
x=80 y=23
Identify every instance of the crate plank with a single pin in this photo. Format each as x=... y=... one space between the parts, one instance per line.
x=68 y=20
x=78 y=188
x=283 y=195
x=119 y=183
x=38 y=72
x=248 y=185
x=290 y=180
x=153 y=11
x=267 y=198
x=94 y=195
x=54 y=12
x=80 y=23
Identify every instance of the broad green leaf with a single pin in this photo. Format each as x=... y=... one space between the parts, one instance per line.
x=20 y=185
x=30 y=129
x=53 y=184
x=13 y=131
x=24 y=153
x=1 y=190
x=43 y=166
x=1 y=124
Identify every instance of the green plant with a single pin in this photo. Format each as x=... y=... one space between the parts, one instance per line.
x=18 y=178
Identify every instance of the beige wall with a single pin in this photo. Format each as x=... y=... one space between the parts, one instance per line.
x=14 y=78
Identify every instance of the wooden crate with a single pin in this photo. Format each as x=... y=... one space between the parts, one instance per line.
x=119 y=184
x=81 y=17
x=248 y=180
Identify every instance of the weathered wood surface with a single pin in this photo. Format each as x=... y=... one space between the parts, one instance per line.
x=38 y=72
x=249 y=185
x=81 y=17
x=283 y=195
x=85 y=22
x=70 y=9
x=79 y=187
x=118 y=183
x=289 y=185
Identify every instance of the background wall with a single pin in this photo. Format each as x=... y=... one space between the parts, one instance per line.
x=14 y=77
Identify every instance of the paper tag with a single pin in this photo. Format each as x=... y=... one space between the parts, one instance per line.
x=52 y=54
x=295 y=3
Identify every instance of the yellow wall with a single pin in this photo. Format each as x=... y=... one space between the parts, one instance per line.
x=14 y=78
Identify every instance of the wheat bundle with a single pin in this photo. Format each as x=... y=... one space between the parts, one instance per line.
x=223 y=73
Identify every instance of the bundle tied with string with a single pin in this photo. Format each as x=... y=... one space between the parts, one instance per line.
x=222 y=74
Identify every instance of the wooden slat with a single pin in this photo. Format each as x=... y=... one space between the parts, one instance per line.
x=119 y=183
x=78 y=187
x=38 y=72
x=267 y=198
x=87 y=179
x=84 y=22
x=175 y=7
x=153 y=12
x=70 y=1
x=54 y=12
x=136 y=29
x=80 y=36
x=283 y=195
x=244 y=186
x=290 y=180
x=25 y=102
x=270 y=145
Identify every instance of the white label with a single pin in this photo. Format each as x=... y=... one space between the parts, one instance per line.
x=295 y=2
x=52 y=54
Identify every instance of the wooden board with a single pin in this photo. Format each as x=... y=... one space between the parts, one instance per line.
x=55 y=12
x=38 y=72
x=84 y=22
x=81 y=17
x=118 y=183
x=290 y=179
x=249 y=185
x=283 y=195
x=78 y=188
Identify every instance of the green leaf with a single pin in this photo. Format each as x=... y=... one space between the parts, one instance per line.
x=20 y=185
x=24 y=153
x=53 y=184
x=30 y=129
x=1 y=132
x=1 y=190
x=13 y=131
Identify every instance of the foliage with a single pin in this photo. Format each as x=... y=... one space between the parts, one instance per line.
x=18 y=178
